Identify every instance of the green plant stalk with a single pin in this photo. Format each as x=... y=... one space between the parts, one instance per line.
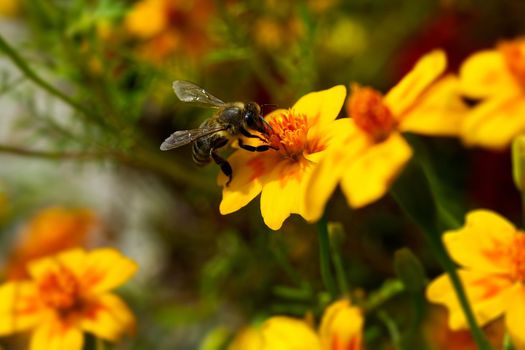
x=324 y=256
x=335 y=230
x=426 y=214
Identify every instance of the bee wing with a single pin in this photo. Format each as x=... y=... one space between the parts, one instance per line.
x=183 y=137
x=189 y=92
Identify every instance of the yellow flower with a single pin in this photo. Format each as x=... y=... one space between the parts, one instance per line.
x=498 y=78
x=50 y=231
x=491 y=252
x=374 y=151
x=341 y=329
x=66 y=295
x=302 y=135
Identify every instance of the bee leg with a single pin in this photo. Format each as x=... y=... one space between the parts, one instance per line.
x=250 y=135
x=226 y=168
x=262 y=148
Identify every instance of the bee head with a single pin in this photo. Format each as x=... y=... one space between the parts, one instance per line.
x=254 y=119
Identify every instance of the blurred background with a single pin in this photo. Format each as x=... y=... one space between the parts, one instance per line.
x=86 y=100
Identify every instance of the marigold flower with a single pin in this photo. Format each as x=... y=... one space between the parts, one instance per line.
x=302 y=135
x=50 y=231
x=491 y=252
x=374 y=151
x=66 y=295
x=341 y=329
x=497 y=77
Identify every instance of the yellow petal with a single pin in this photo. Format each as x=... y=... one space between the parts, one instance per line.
x=439 y=111
x=248 y=168
x=402 y=96
x=147 y=18
x=483 y=244
x=56 y=336
x=369 y=176
x=247 y=339
x=515 y=316
x=72 y=260
x=106 y=269
x=284 y=333
x=108 y=317
x=20 y=307
x=321 y=107
x=485 y=74
x=488 y=296
x=328 y=172
x=496 y=122
x=283 y=192
x=342 y=327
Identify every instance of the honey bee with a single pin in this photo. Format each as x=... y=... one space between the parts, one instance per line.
x=232 y=120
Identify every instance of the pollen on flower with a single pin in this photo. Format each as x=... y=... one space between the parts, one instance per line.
x=60 y=290
x=514 y=54
x=288 y=133
x=370 y=114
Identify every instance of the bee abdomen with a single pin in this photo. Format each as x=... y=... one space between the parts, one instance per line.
x=200 y=154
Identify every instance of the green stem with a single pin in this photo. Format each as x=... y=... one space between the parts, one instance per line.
x=336 y=234
x=324 y=256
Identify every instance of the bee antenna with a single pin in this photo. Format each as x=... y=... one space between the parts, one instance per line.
x=266 y=122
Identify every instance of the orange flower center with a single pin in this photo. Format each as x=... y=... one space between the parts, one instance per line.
x=370 y=114
x=514 y=54
x=60 y=290
x=289 y=133
x=518 y=256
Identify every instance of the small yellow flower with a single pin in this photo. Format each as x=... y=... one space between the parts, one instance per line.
x=66 y=295
x=50 y=231
x=374 y=151
x=491 y=252
x=302 y=135
x=497 y=77
x=341 y=329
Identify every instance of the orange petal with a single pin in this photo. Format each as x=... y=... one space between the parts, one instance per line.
x=20 y=307
x=321 y=107
x=147 y=19
x=496 y=122
x=248 y=168
x=328 y=172
x=369 y=176
x=283 y=192
x=108 y=317
x=439 y=111
x=285 y=333
x=484 y=243
x=342 y=327
x=485 y=74
x=56 y=336
x=105 y=269
x=402 y=96
x=488 y=296
x=515 y=316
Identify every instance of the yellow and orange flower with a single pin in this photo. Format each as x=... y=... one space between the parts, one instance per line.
x=491 y=252
x=341 y=329
x=302 y=135
x=66 y=295
x=497 y=77
x=374 y=151
x=50 y=231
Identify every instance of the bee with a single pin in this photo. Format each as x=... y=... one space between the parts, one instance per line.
x=232 y=120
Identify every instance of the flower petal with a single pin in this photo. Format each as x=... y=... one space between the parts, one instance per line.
x=484 y=243
x=285 y=333
x=369 y=176
x=488 y=296
x=484 y=74
x=20 y=307
x=439 y=111
x=105 y=269
x=73 y=260
x=321 y=107
x=248 y=168
x=56 y=336
x=495 y=123
x=342 y=327
x=402 y=96
x=514 y=318
x=108 y=317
